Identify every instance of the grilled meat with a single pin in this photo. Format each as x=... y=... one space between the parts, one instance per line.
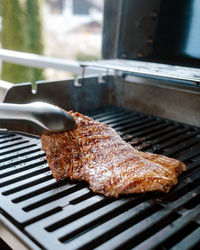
x=94 y=152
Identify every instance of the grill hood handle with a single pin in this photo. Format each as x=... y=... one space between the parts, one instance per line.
x=36 y=118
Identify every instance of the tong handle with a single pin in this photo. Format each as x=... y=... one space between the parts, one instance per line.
x=10 y=111
x=45 y=118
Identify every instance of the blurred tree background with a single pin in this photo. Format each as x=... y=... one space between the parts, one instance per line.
x=21 y=31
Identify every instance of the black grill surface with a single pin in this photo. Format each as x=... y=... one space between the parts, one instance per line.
x=67 y=215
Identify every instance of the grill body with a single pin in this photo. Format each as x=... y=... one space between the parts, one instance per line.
x=167 y=99
x=154 y=114
x=67 y=215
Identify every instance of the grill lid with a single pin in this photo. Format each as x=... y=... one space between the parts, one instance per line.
x=156 y=31
x=140 y=38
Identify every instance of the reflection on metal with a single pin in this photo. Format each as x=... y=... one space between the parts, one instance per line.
x=76 y=81
x=43 y=117
x=193 y=37
x=4 y=87
x=34 y=88
x=152 y=31
x=14 y=237
x=148 y=69
x=38 y=61
x=82 y=74
x=101 y=79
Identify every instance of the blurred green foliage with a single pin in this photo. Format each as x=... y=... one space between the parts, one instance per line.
x=87 y=57
x=21 y=31
x=12 y=37
x=33 y=30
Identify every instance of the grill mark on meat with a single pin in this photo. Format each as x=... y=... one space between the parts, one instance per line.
x=94 y=152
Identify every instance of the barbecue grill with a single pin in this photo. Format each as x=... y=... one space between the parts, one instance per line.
x=153 y=106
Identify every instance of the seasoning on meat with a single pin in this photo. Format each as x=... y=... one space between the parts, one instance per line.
x=94 y=152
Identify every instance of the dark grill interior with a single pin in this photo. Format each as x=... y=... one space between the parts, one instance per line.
x=67 y=215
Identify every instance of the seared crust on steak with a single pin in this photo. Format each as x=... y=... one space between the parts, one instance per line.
x=94 y=152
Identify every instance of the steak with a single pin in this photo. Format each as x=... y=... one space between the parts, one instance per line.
x=95 y=153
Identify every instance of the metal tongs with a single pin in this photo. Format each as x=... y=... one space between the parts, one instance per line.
x=35 y=118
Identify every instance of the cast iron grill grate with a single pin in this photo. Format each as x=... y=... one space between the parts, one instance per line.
x=67 y=215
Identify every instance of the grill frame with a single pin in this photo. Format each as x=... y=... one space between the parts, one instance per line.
x=167 y=99
x=77 y=197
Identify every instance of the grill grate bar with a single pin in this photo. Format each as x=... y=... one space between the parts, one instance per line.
x=161 y=130
x=181 y=146
x=9 y=145
x=140 y=126
x=24 y=193
x=117 y=224
x=165 y=233
x=28 y=187
x=126 y=238
x=189 y=153
x=28 y=168
x=65 y=202
x=119 y=118
x=179 y=139
x=21 y=181
x=109 y=115
x=122 y=217
x=190 y=241
x=14 y=151
x=150 y=133
x=4 y=135
x=81 y=223
x=26 y=150
x=8 y=170
x=15 y=177
x=22 y=160
x=171 y=136
x=9 y=141
x=187 y=183
x=42 y=199
x=30 y=174
x=124 y=123
x=144 y=122
x=194 y=164
x=170 y=140
x=49 y=185
x=74 y=212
